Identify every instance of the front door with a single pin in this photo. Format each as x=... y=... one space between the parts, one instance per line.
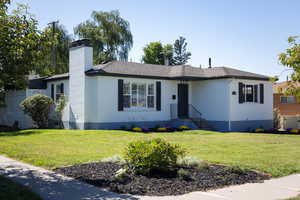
x=183 y=100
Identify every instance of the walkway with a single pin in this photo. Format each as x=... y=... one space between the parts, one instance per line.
x=52 y=186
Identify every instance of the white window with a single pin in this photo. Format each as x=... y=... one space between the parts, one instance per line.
x=138 y=95
x=287 y=99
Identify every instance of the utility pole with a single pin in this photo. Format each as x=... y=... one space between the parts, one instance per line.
x=53 y=53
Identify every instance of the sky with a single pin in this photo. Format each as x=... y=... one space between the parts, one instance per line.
x=242 y=34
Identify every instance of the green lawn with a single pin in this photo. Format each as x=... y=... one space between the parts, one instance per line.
x=275 y=154
x=10 y=190
x=296 y=198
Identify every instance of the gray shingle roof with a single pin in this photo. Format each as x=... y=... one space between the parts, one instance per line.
x=130 y=69
x=58 y=76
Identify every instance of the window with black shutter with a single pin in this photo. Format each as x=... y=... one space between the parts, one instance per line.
x=52 y=91
x=241 y=93
x=158 y=95
x=255 y=93
x=120 y=95
x=261 y=93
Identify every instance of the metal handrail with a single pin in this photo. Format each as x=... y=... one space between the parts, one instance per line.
x=192 y=110
x=195 y=109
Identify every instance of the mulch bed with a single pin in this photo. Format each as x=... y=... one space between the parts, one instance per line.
x=101 y=174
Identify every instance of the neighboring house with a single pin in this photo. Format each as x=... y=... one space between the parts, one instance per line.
x=117 y=94
x=288 y=106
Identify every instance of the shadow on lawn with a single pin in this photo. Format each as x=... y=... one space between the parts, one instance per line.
x=21 y=133
x=54 y=186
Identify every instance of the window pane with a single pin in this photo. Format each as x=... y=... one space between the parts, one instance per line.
x=151 y=89
x=150 y=101
x=283 y=99
x=142 y=95
x=126 y=88
x=134 y=95
x=126 y=101
x=249 y=93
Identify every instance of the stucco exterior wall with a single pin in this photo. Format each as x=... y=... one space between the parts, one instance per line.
x=102 y=101
x=12 y=111
x=246 y=116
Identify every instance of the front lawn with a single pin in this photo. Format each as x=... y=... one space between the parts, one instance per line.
x=275 y=154
x=10 y=190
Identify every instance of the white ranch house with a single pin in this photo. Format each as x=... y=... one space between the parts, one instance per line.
x=117 y=94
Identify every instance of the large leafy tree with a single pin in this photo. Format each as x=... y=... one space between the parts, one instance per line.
x=59 y=39
x=19 y=41
x=181 y=55
x=291 y=59
x=157 y=53
x=110 y=35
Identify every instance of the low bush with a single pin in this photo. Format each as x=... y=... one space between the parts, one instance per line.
x=137 y=129
x=189 y=161
x=148 y=156
x=259 y=130
x=183 y=128
x=114 y=159
x=183 y=174
x=38 y=107
x=162 y=129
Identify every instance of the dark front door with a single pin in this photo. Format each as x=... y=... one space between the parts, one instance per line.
x=183 y=101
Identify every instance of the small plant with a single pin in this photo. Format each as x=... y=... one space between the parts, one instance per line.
x=145 y=130
x=148 y=156
x=38 y=107
x=183 y=128
x=162 y=129
x=203 y=165
x=183 y=174
x=137 y=129
x=121 y=174
x=189 y=161
x=114 y=159
x=235 y=170
x=259 y=130
x=294 y=131
x=60 y=106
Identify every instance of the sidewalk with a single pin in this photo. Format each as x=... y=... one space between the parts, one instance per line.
x=52 y=186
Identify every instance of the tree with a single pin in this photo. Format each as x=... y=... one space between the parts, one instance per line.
x=110 y=35
x=156 y=53
x=60 y=40
x=19 y=41
x=291 y=59
x=38 y=107
x=181 y=56
x=153 y=53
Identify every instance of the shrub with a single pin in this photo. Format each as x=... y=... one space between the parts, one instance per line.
x=137 y=129
x=114 y=159
x=294 y=131
x=189 y=161
x=183 y=174
x=121 y=173
x=148 y=156
x=38 y=108
x=162 y=129
x=183 y=128
x=259 y=130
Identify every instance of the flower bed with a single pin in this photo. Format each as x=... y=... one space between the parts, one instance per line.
x=289 y=131
x=103 y=175
x=159 y=129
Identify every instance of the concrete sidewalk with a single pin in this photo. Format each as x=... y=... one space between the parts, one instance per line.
x=52 y=186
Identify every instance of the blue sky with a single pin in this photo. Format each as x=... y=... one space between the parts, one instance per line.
x=246 y=35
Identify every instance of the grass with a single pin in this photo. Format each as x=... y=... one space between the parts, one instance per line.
x=10 y=190
x=278 y=155
x=295 y=198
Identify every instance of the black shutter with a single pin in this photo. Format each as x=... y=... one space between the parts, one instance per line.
x=120 y=95
x=158 y=96
x=62 y=88
x=241 y=93
x=255 y=93
x=52 y=91
x=261 y=93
